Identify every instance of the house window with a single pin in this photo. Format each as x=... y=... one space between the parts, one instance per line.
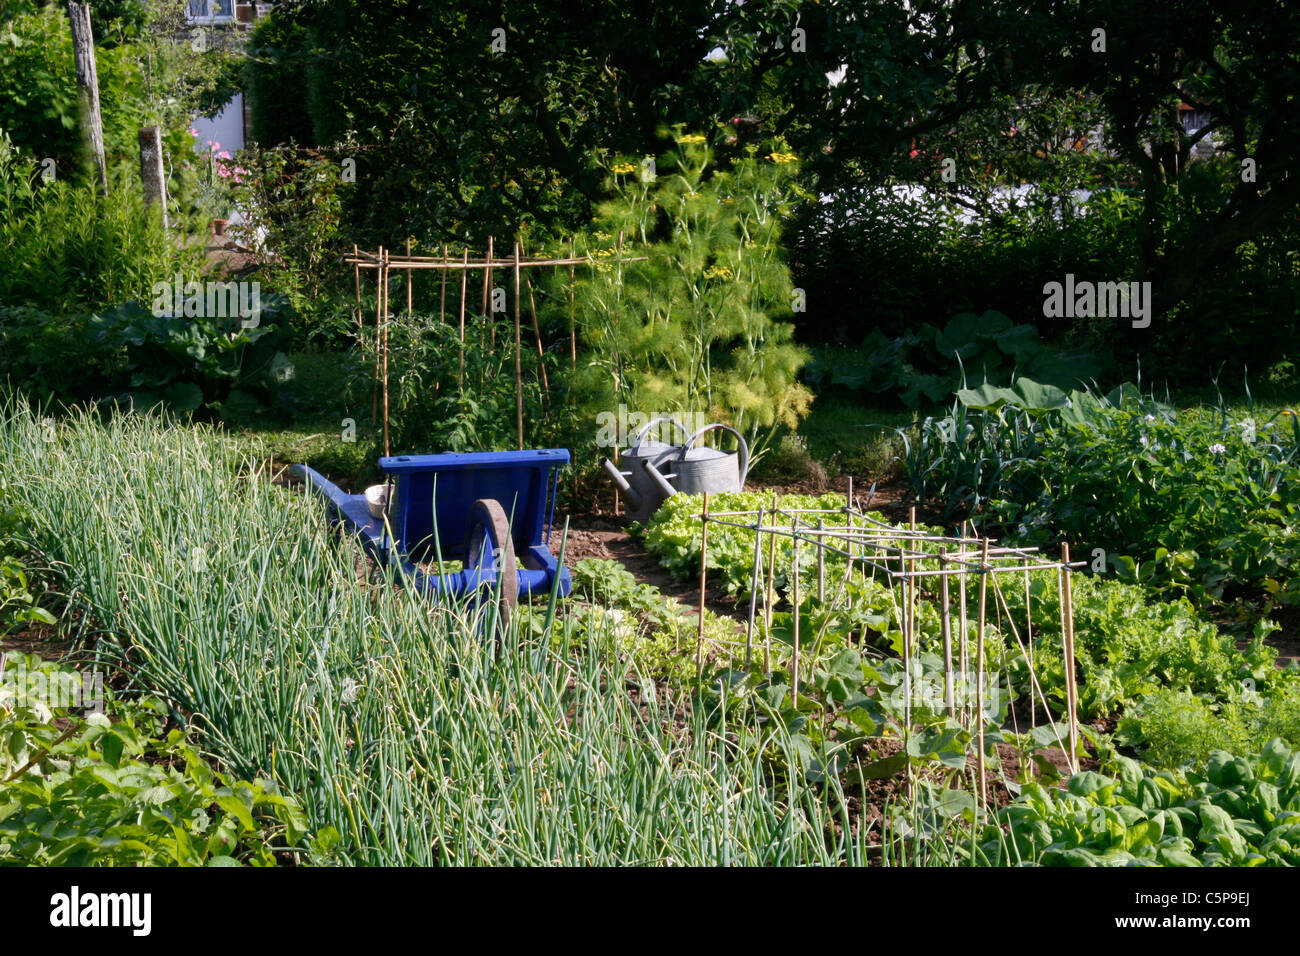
x=210 y=10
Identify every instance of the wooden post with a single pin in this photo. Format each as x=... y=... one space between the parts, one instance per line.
x=83 y=52
x=151 y=170
x=464 y=289
x=519 y=369
x=410 y=276
x=704 y=561
x=1071 y=687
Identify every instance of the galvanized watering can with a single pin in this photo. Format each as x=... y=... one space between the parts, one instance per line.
x=702 y=470
x=643 y=494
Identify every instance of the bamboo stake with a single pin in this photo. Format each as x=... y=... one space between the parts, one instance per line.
x=1029 y=646
x=821 y=565
x=379 y=337
x=537 y=331
x=768 y=594
x=464 y=288
x=794 y=673
x=519 y=368
x=907 y=655
x=848 y=516
x=753 y=591
x=356 y=281
x=771 y=568
x=1071 y=687
x=945 y=625
x=911 y=588
x=964 y=636
x=704 y=561
x=487 y=282
x=409 y=279
x=383 y=295
x=979 y=675
x=487 y=286
x=442 y=293
x=573 y=334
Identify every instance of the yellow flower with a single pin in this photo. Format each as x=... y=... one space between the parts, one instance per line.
x=782 y=158
x=622 y=168
x=717 y=272
x=690 y=138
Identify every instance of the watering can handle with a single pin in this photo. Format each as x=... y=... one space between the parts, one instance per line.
x=740 y=440
x=645 y=430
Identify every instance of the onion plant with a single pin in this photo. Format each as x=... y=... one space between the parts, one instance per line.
x=388 y=718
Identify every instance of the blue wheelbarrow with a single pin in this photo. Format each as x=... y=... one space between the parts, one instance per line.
x=487 y=510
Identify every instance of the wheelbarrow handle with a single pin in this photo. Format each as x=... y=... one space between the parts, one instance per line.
x=740 y=439
x=645 y=430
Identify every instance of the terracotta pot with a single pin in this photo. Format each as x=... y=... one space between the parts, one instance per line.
x=219 y=227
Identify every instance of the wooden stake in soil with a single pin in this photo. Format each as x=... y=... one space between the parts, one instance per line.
x=519 y=368
x=83 y=54
x=1071 y=687
x=979 y=666
x=704 y=561
x=945 y=626
x=151 y=170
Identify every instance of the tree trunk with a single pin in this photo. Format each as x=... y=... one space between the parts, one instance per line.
x=83 y=48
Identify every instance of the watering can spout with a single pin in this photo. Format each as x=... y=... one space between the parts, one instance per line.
x=660 y=480
x=632 y=495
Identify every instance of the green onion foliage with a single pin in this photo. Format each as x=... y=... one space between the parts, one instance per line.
x=384 y=714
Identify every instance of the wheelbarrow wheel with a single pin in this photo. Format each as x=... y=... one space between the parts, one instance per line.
x=488 y=544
